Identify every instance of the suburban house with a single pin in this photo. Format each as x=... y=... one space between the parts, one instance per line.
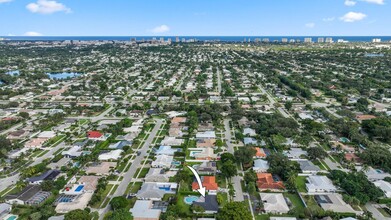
x=260 y=153
x=120 y=144
x=48 y=175
x=320 y=184
x=5 y=209
x=274 y=203
x=265 y=181
x=209 y=182
x=209 y=203
x=307 y=167
x=167 y=150
x=110 y=155
x=30 y=195
x=334 y=202
x=101 y=169
x=158 y=175
x=162 y=161
x=35 y=143
x=96 y=136
x=249 y=132
x=156 y=191
x=206 y=135
x=385 y=187
x=376 y=174
x=72 y=152
x=172 y=141
x=143 y=210
x=295 y=153
x=205 y=154
x=260 y=166
x=250 y=141
x=207 y=168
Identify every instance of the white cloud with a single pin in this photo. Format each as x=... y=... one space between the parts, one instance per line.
x=47 y=7
x=353 y=16
x=328 y=19
x=350 y=3
x=379 y=2
x=161 y=29
x=310 y=25
x=32 y=34
x=4 y=1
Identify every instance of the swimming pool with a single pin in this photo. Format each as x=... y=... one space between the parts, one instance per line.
x=190 y=199
x=165 y=188
x=79 y=188
x=12 y=217
x=192 y=153
x=344 y=140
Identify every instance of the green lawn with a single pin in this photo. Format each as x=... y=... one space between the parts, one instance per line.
x=296 y=201
x=300 y=183
x=134 y=188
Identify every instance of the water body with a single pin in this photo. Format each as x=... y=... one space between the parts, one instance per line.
x=200 y=38
x=64 y=75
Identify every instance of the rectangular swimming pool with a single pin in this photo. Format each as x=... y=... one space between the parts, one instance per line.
x=79 y=188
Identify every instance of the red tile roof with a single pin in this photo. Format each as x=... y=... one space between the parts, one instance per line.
x=266 y=181
x=209 y=182
x=94 y=134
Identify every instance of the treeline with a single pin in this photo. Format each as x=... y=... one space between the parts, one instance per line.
x=306 y=93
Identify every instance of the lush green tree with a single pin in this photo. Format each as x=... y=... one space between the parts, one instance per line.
x=119 y=202
x=282 y=166
x=234 y=211
x=245 y=155
x=229 y=169
x=119 y=214
x=227 y=157
x=288 y=105
x=77 y=214
x=316 y=153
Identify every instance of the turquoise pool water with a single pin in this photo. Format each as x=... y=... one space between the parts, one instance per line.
x=190 y=199
x=12 y=217
x=344 y=139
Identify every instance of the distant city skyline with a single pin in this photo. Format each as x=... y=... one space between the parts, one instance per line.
x=198 y=18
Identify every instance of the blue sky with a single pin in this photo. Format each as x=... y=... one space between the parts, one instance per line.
x=194 y=18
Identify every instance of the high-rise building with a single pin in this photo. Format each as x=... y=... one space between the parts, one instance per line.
x=292 y=41
x=376 y=40
x=266 y=40
x=307 y=40
x=329 y=40
x=284 y=40
x=320 y=40
x=162 y=39
x=177 y=39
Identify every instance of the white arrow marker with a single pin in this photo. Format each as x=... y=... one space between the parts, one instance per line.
x=201 y=189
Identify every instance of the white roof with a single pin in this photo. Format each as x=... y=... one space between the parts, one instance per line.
x=206 y=134
x=111 y=155
x=142 y=209
x=162 y=161
x=274 y=202
x=47 y=134
x=320 y=182
x=384 y=186
x=262 y=164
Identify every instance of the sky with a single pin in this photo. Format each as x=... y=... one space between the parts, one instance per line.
x=195 y=18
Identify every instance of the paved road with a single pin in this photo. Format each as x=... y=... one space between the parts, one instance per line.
x=8 y=181
x=13 y=128
x=218 y=81
x=236 y=179
x=376 y=214
x=134 y=166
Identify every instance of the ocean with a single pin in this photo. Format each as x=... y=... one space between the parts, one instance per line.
x=200 y=38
